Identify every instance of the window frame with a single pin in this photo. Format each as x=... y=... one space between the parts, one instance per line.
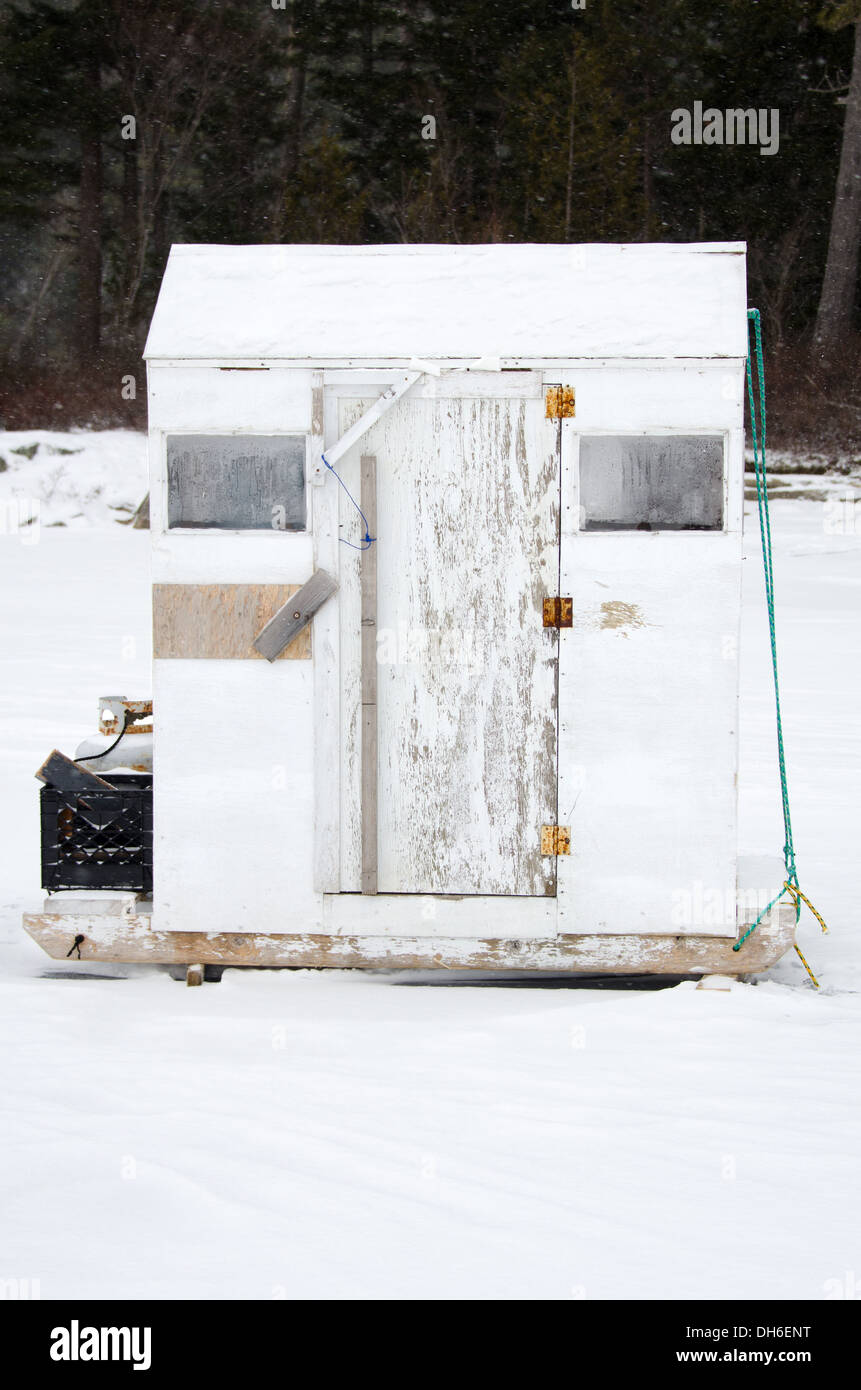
x=245 y=531
x=662 y=432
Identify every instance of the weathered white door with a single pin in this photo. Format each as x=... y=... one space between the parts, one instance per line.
x=467 y=549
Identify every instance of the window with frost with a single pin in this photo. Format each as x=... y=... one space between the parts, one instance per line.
x=248 y=482
x=648 y=482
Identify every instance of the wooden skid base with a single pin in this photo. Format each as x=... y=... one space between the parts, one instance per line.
x=131 y=939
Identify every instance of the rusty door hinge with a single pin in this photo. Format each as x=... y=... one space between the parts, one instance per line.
x=558 y=612
x=555 y=839
x=559 y=403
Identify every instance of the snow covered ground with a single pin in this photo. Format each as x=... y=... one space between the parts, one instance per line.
x=350 y=1136
x=79 y=479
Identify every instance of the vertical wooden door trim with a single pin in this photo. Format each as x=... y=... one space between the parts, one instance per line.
x=567 y=785
x=369 y=678
x=327 y=696
x=558 y=635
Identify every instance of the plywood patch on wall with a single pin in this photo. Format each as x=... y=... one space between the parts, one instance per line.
x=212 y=621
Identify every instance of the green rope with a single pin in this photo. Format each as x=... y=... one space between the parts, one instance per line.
x=758 y=436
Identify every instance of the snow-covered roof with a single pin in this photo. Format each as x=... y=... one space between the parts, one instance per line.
x=391 y=303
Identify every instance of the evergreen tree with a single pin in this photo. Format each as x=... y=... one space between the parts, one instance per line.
x=384 y=120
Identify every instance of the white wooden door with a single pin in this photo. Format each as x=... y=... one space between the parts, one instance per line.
x=467 y=549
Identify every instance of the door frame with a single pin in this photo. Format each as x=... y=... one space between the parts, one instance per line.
x=345 y=910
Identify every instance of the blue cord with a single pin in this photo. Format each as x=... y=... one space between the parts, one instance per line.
x=367 y=539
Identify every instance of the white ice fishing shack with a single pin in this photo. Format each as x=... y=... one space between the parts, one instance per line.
x=446 y=548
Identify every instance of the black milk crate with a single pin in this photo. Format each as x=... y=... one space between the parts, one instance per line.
x=102 y=839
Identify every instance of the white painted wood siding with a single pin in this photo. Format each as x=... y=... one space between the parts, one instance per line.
x=234 y=799
x=648 y=732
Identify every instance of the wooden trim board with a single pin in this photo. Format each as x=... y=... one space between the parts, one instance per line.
x=369 y=677
x=219 y=621
x=294 y=615
x=132 y=939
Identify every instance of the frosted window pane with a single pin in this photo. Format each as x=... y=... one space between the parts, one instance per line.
x=246 y=482
x=651 y=482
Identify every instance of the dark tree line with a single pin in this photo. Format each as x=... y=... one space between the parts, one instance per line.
x=129 y=125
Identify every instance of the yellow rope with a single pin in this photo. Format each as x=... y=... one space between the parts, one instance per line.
x=800 y=955
x=798 y=897
x=796 y=894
